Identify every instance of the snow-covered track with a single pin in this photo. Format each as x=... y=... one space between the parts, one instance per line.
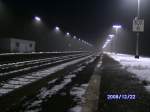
x=13 y=70
x=26 y=79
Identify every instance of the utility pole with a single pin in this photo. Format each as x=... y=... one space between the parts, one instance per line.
x=138 y=26
x=137 y=34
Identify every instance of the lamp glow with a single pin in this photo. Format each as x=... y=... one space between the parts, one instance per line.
x=67 y=33
x=57 y=28
x=117 y=26
x=37 y=18
x=111 y=36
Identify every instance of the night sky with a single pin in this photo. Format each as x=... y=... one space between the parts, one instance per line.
x=90 y=20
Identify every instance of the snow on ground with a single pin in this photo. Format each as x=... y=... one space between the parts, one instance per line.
x=139 y=67
x=78 y=93
x=46 y=92
x=5 y=54
x=91 y=60
x=22 y=63
x=77 y=108
x=7 y=86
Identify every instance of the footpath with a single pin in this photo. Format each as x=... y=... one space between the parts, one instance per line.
x=113 y=89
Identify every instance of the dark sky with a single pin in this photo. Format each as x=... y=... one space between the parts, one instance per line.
x=86 y=18
x=90 y=20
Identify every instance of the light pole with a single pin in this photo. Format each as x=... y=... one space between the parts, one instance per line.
x=137 y=34
x=116 y=27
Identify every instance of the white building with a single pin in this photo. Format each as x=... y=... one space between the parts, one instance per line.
x=16 y=45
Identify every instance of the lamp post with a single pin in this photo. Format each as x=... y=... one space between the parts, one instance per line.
x=137 y=34
x=138 y=26
x=116 y=27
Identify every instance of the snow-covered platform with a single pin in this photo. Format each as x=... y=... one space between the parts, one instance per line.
x=124 y=83
x=139 y=67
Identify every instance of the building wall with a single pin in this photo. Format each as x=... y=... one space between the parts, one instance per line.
x=4 y=45
x=21 y=46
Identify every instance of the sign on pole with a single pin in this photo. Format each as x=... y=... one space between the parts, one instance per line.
x=138 y=25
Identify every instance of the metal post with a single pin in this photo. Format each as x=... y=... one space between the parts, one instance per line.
x=114 y=43
x=138 y=34
x=116 y=40
x=111 y=46
x=138 y=12
x=137 y=45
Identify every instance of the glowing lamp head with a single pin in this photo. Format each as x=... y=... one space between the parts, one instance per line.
x=38 y=19
x=108 y=40
x=74 y=37
x=117 y=26
x=67 y=33
x=111 y=36
x=57 y=28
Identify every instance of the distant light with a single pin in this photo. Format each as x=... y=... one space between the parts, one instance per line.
x=111 y=36
x=108 y=40
x=68 y=34
x=104 y=46
x=57 y=29
x=37 y=18
x=79 y=39
x=74 y=37
x=117 y=26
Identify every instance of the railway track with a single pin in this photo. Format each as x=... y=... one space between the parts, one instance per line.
x=17 y=69
x=22 y=80
x=17 y=75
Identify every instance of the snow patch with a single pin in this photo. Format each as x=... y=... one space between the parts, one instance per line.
x=148 y=88
x=18 y=81
x=78 y=93
x=77 y=108
x=139 y=67
x=53 y=81
x=47 y=93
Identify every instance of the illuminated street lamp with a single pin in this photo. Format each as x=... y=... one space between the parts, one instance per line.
x=117 y=27
x=108 y=40
x=68 y=34
x=38 y=19
x=74 y=37
x=57 y=28
x=111 y=36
